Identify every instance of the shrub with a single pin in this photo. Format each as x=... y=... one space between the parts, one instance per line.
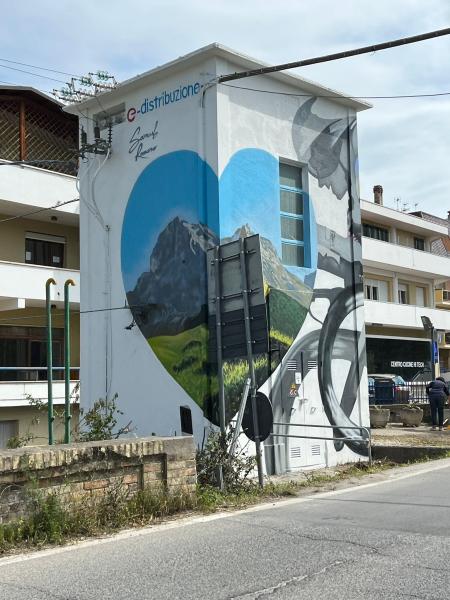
x=236 y=468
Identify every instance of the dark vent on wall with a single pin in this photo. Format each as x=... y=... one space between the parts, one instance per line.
x=291 y=365
x=315 y=450
x=186 y=420
x=312 y=364
x=296 y=452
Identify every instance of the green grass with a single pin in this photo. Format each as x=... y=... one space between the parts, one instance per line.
x=185 y=357
x=281 y=338
x=235 y=373
x=285 y=312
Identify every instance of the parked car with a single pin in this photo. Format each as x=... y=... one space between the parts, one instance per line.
x=388 y=389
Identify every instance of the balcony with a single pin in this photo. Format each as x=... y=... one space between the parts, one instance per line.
x=390 y=314
x=389 y=217
x=23 y=285
x=442 y=299
x=17 y=393
x=40 y=188
x=402 y=259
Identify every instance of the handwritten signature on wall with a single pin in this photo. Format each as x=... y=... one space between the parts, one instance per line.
x=138 y=144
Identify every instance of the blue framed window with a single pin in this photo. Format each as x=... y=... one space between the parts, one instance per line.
x=292 y=216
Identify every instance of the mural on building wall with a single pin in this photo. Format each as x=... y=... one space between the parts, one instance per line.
x=331 y=156
x=168 y=225
x=250 y=203
x=331 y=346
x=173 y=216
x=170 y=220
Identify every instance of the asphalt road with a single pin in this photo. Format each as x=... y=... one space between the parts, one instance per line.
x=384 y=540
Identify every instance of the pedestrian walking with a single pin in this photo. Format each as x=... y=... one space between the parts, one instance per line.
x=438 y=393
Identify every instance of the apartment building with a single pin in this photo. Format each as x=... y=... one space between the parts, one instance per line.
x=40 y=244
x=406 y=271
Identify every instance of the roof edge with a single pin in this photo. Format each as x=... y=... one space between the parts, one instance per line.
x=222 y=51
x=33 y=90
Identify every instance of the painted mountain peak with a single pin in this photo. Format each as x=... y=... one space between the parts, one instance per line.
x=274 y=272
x=171 y=295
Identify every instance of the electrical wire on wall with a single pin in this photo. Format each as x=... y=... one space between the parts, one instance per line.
x=83 y=198
x=95 y=211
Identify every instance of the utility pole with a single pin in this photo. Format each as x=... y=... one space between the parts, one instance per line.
x=336 y=56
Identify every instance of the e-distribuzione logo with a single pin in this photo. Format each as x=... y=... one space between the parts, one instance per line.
x=164 y=98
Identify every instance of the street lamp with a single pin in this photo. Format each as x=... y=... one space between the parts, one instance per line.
x=428 y=326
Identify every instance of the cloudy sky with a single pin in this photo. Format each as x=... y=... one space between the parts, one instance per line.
x=404 y=144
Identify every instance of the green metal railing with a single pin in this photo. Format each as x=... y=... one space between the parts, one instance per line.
x=50 y=368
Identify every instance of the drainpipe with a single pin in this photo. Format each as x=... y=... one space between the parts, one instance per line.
x=67 y=414
x=51 y=417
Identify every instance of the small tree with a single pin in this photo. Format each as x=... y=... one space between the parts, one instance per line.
x=100 y=421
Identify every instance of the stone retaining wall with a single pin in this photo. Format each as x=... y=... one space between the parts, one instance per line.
x=82 y=470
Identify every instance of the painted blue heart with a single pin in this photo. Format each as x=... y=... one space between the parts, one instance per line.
x=173 y=215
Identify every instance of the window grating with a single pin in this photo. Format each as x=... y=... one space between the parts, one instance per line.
x=291 y=202
x=292 y=255
x=291 y=229
x=47 y=134
x=9 y=129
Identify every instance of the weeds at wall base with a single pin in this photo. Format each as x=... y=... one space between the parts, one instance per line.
x=52 y=521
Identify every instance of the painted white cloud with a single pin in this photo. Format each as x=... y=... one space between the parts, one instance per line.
x=403 y=143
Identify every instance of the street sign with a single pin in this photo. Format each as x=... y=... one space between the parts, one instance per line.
x=265 y=418
x=230 y=300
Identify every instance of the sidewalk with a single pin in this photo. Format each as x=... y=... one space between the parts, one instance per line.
x=397 y=435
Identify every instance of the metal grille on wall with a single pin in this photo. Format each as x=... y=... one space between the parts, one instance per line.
x=9 y=129
x=31 y=131
x=51 y=137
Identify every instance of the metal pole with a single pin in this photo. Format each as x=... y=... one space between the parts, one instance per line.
x=219 y=353
x=48 y=305
x=433 y=364
x=251 y=367
x=67 y=414
x=336 y=56
x=219 y=340
x=240 y=416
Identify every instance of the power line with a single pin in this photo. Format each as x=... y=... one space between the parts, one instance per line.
x=39 y=210
x=60 y=313
x=336 y=56
x=31 y=73
x=16 y=62
x=355 y=97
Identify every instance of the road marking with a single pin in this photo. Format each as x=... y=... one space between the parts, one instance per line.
x=187 y=521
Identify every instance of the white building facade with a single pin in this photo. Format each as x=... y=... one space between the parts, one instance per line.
x=403 y=277
x=193 y=163
x=35 y=244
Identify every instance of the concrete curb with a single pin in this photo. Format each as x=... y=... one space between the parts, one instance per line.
x=402 y=454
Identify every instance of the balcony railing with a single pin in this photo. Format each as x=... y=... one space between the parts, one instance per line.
x=422 y=251
x=404 y=259
x=22 y=280
x=35 y=374
x=392 y=314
